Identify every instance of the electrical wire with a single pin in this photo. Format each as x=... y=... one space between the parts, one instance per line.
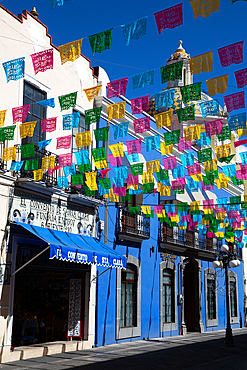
x=92 y=58
x=126 y=66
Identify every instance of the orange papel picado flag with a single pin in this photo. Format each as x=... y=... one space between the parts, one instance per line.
x=147 y=177
x=92 y=92
x=201 y=63
x=27 y=129
x=117 y=150
x=38 y=174
x=115 y=111
x=48 y=162
x=91 y=180
x=113 y=197
x=146 y=210
x=83 y=139
x=153 y=166
x=163 y=119
x=100 y=164
x=70 y=52
x=9 y=153
x=203 y=8
x=164 y=190
x=2 y=117
x=192 y=132
x=166 y=149
x=223 y=151
x=217 y=85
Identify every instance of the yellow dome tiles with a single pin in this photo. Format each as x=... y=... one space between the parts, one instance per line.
x=177 y=103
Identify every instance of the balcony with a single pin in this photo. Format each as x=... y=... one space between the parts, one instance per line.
x=188 y=243
x=50 y=178
x=132 y=227
x=233 y=248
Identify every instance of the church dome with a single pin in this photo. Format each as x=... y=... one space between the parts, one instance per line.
x=178 y=103
x=179 y=53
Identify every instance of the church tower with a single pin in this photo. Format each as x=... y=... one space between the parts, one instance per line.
x=180 y=55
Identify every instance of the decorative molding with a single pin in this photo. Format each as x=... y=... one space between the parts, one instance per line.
x=173 y=325
x=234 y=319
x=135 y=331
x=210 y=322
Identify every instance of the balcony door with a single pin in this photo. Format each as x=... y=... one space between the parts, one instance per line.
x=191 y=296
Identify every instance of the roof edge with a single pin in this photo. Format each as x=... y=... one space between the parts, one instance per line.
x=25 y=13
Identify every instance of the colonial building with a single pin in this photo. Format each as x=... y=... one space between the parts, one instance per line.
x=49 y=254
x=77 y=263
x=170 y=286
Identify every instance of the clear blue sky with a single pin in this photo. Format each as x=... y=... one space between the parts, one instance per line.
x=79 y=19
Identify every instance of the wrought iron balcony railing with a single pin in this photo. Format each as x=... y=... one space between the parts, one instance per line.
x=131 y=226
x=50 y=177
x=192 y=239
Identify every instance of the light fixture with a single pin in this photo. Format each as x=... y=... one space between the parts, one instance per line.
x=234 y=263
x=216 y=264
x=225 y=248
x=226 y=258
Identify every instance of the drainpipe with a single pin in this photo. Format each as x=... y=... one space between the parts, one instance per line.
x=180 y=269
x=96 y=311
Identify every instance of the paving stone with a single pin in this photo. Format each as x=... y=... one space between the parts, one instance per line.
x=193 y=351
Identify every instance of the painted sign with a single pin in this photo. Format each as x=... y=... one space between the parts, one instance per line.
x=168 y=257
x=52 y=214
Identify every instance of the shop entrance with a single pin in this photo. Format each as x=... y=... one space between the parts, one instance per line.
x=41 y=298
x=191 y=296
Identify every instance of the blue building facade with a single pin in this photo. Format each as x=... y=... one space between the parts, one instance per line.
x=170 y=286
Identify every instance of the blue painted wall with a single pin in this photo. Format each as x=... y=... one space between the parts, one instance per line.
x=150 y=273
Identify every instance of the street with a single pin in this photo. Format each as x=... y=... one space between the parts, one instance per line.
x=192 y=351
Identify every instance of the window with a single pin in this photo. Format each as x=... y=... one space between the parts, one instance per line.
x=128 y=302
x=31 y=95
x=185 y=76
x=211 y=300
x=134 y=200
x=168 y=296
x=128 y=297
x=233 y=297
x=81 y=128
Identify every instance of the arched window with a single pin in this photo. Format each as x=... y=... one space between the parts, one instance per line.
x=211 y=300
x=211 y=296
x=185 y=76
x=32 y=94
x=128 y=303
x=168 y=296
x=128 y=296
x=233 y=297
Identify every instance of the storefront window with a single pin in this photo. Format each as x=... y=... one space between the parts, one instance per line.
x=128 y=297
x=168 y=296
x=41 y=297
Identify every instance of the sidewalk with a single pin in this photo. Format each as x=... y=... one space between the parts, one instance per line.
x=193 y=351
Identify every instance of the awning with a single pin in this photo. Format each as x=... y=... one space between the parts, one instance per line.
x=77 y=248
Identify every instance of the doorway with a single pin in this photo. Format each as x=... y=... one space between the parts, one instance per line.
x=42 y=295
x=191 y=296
